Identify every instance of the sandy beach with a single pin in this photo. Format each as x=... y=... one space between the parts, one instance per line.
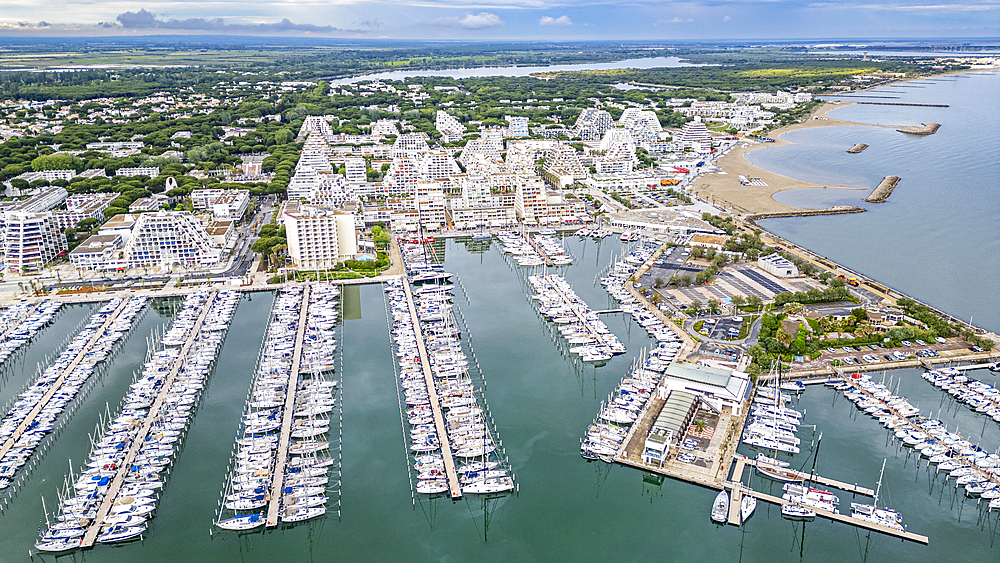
x=726 y=189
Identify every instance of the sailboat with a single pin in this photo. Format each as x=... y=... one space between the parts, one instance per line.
x=802 y=499
x=747 y=505
x=871 y=513
x=720 y=508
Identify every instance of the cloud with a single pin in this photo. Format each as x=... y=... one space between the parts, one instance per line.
x=678 y=19
x=727 y=18
x=148 y=20
x=370 y=24
x=481 y=20
x=549 y=20
x=43 y=23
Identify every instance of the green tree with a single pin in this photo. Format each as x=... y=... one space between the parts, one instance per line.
x=57 y=162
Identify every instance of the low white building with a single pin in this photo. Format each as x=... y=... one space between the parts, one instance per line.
x=100 y=253
x=721 y=389
x=778 y=266
x=224 y=204
x=151 y=171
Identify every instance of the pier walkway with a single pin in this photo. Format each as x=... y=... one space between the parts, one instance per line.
x=454 y=487
x=55 y=388
x=137 y=442
x=993 y=478
x=539 y=250
x=835 y=516
x=854 y=489
x=737 y=489
x=14 y=326
x=287 y=416
x=583 y=320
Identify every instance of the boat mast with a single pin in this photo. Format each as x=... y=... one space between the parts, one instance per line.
x=812 y=471
x=879 y=487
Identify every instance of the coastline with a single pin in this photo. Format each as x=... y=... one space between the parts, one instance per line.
x=726 y=188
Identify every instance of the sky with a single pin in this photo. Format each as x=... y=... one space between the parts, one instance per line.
x=555 y=20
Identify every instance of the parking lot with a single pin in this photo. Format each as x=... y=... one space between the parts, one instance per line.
x=694 y=444
x=856 y=353
x=723 y=328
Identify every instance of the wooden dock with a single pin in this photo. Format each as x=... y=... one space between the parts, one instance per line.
x=835 y=516
x=454 y=487
x=583 y=320
x=538 y=249
x=14 y=326
x=137 y=442
x=853 y=489
x=737 y=492
x=21 y=428
x=287 y=417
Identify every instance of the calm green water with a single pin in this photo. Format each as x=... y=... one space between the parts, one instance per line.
x=567 y=509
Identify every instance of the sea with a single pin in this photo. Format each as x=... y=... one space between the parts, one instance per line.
x=937 y=238
x=541 y=400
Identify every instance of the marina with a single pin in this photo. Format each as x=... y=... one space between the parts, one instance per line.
x=454 y=444
x=583 y=330
x=20 y=322
x=638 y=365
x=29 y=420
x=283 y=454
x=110 y=500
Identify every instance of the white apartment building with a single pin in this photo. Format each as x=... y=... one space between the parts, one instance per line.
x=315 y=124
x=592 y=124
x=31 y=240
x=168 y=239
x=411 y=145
x=529 y=200
x=695 y=136
x=438 y=164
x=83 y=206
x=151 y=171
x=402 y=177
x=643 y=124
x=464 y=217
x=517 y=126
x=318 y=238
x=355 y=170
x=450 y=128
x=385 y=128
x=224 y=204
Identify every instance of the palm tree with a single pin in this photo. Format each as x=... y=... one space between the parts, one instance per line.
x=784 y=337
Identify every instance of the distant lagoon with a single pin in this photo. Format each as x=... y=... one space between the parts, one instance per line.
x=650 y=62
